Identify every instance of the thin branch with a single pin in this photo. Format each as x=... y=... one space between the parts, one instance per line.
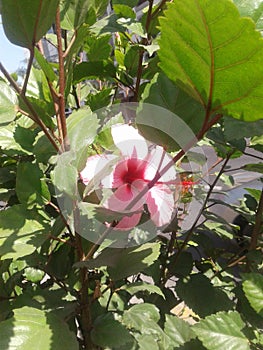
x=28 y=70
x=62 y=115
x=257 y=230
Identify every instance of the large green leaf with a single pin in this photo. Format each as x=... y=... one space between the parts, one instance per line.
x=31 y=188
x=222 y=331
x=8 y=101
x=21 y=231
x=178 y=330
x=215 y=56
x=32 y=328
x=253 y=289
x=25 y=22
x=138 y=315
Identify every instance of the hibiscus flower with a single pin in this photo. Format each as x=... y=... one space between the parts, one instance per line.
x=130 y=175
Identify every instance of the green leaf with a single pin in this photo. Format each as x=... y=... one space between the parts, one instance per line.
x=101 y=69
x=21 y=231
x=25 y=22
x=192 y=288
x=257 y=167
x=131 y=3
x=124 y=11
x=33 y=275
x=45 y=66
x=215 y=56
x=107 y=332
x=31 y=188
x=237 y=129
x=136 y=287
x=163 y=92
x=16 y=139
x=98 y=48
x=82 y=128
x=138 y=315
x=253 y=289
x=125 y=262
x=32 y=328
x=8 y=101
x=222 y=331
x=178 y=330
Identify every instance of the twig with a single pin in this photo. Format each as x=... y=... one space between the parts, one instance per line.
x=62 y=115
x=28 y=70
x=257 y=230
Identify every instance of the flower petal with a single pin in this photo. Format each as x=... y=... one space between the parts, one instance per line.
x=120 y=200
x=160 y=202
x=129 y=141
x=97 y=168
x=157 y=160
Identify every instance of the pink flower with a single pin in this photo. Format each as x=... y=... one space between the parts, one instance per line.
x=133 y=170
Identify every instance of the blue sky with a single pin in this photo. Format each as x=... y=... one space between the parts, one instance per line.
x=10 y=55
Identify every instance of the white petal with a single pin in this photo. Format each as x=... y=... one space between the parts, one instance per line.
x=160 y=202
x=157 y=160
x=97 y=169
x=129 y=141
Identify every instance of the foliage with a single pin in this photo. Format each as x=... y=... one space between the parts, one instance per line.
x=195 y=284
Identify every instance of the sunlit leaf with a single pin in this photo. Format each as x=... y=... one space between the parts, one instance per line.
x=222 y=331
x=8 y=101
x=253 y=288
x=215 y=56
x=21 y=231
x=178 y=330
x=32 y=328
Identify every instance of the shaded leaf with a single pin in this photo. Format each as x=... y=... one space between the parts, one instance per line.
x=237 y=129
x=125 y=262
x=107 y=332
x=164 y=93
x=101 y=69
x=25 y=22
x=138 y=315
x=215 y=56
x=257 y=167
x=222 y=331
x=31 y=188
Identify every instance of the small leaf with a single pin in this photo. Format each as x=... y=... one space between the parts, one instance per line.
x=25 y=22
x=107 y=332
x=222 y=331
x=33 y=275
x=253 y=289
x=258 y=167
x=8 y=101
x=178 y=330
x=45 y=66
x=32 y=328
x=136 y=287
x=215 y=56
